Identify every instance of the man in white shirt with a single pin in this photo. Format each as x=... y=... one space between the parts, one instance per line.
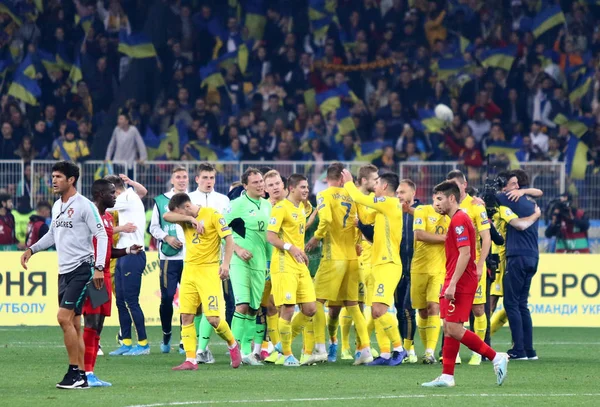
x=129 y=270
x=539 y=141
x=171 y=252
x=206 y=196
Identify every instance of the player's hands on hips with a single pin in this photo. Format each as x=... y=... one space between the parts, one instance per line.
x=173 y=242
x=135 y=249
x=311 y=244
x=299 y=255
x=346 y=176
x=515 y=194
x=450 y=291
x=243 y=254
x=129 y=227
x=98 y=278
x=25 y=258
x=224 y=272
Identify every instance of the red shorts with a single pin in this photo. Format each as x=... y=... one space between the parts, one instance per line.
x=105 y=308
x=459 y=309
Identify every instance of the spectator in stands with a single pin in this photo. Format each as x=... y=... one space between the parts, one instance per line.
x=253 y=151
x=70 y=148
x=285 y=152
x=8 y=240
x=234 y=151
x=479 y=125
x=8 y=144
x=126 y=143
x=26 y=150
x=38 y=223
x=387 y=162
x=539 y=140
x=274 y=112
x=570 y=227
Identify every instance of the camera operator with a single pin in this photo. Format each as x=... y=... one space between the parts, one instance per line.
x=569 y=225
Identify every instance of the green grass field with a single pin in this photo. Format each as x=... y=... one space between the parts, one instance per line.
x=32 y=360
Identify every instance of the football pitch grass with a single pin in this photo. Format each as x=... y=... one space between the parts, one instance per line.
x=33 y=360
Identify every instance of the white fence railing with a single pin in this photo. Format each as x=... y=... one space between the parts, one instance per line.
x=34 y=179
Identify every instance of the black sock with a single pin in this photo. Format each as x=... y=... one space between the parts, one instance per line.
x=166 y=337
x=82 y=374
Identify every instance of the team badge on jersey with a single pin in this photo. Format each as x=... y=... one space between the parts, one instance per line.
x=484 y=215
x=320 y=201
x=459 y=230
x=380 y=199
x=418 y=221
x=273 y=221
x=70 y=212
x=508 y=212
x=222 y=222
x=432 y=219
x=288 y=296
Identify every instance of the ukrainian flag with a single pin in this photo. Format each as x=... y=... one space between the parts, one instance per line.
x=256 y=18
x=328 y=101
x=503 y=148
x=345 y=123
x=211 y=76
x=49 y=61
x=427 y=122
x=371 y=150
x=27 y=67
x=576 y=125
x=4 y=65
x=63 y=60
x=25 y=89
x=450 y=66
x=581 y=87
x=151 y=140
x=547 y=19
x=499 y=57
x=7 y=8
x=75 y=74
x=84 y=22
x=310 y=100
x=576 y=158
x=136 y=45
x=243 y=55
x=464 y=44
x=321 y=27
x=39 y=4
x=172 y=136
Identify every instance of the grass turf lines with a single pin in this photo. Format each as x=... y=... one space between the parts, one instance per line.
x=33 y=360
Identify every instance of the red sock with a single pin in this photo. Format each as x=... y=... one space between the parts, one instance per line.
x=96 y=346
x=91 y=348
x=449 y=352
x=473 y=342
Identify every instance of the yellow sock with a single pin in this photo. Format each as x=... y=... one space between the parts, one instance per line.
x=319 y=324
x=265 y=345
x=499 y=319
x=345 y=325
x=309 y=335
x=127 y=342
x=189 y=339
x=360 y=325
x=422 y=328
x=388 y=323
x=433 y=332
x=382 y=339
x=332 y=328
x=480 y=326
x=224 y=332
x=407 y=344
x=285 y=333
x=370 y=323
x=273 y=328
x=297 y=325
x=143 y=342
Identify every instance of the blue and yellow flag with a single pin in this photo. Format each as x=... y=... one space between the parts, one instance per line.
x=27 y=67
x=211 y=75
x=499 y=57
x=345 y=123
x=581 y=86
x=49 y=61
x=243 y=55
x=450 y=66
x=310 y=100
x=75 y=75
x=547 y=19
x=428 y=122
x=256 y=18
x=175 y=135
x=503 y=148
x=328 y=101
x=136 y=45
x=371 y=150
x=5 y=64
x=576 y=125
x=84 y=22
x=576 y=158
x=25 y=89
x=7 y=7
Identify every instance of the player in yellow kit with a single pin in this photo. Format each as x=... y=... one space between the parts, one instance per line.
x=385 y=262
x=337 y=278
x=290 y=278
x=480 y=220
x=428 y=269
x=201 y=279
x=499 y=318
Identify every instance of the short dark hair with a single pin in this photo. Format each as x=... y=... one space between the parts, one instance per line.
x=456 y=174
x=448 y=188
x=68 y=169
x=522 y=177
x=391 y=179
x=334 y=171
x=4 y=197
x=99 y=186
x=410 y=183
x=247 y=173
x=208 y=167
x=294 y=179
x=116 y=181
x=43 y=204
x=178 y=200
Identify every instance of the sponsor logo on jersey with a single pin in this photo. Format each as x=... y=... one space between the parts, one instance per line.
x=295 y=216
x=252 y=212
x=459 y=230
x=64 y=224
x=462 y=239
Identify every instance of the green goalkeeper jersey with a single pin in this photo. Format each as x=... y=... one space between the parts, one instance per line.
x=314 y=256
x=248 y=219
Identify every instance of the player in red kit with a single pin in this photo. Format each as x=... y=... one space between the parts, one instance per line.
x=459 y=288
x=103 y=195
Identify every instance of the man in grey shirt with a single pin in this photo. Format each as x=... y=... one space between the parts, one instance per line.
x=75 y=222
x=126 y=144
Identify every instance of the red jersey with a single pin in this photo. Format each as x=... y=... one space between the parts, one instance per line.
x=461 y=233
x=107 y=219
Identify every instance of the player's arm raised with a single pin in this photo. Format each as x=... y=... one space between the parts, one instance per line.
x=325 y=219
x=184 y=220
x=515 y=194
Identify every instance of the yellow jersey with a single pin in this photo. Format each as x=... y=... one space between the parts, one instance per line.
x=478 y=216
x=387 y=217
x=501 y=220
x=71 y=150
x=429 y=258
x=205 y=248
x=337 y=213
x=289 y=222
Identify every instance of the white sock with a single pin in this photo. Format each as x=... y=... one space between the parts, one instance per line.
x=497 y=358
x=429 y=351
x=88 y=373
x=411 y=352
x=447 y=377
x=320 y=348
x=232 y=346
x=191 y=360
x=257 y=348
x=398 y=349
x=385 y=355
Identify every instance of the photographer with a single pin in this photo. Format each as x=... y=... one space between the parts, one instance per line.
x=569 y=225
